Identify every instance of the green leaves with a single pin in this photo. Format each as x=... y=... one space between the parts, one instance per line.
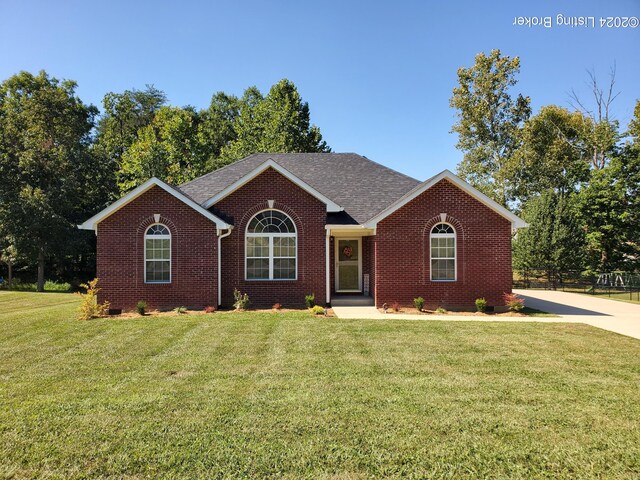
x=489 y=122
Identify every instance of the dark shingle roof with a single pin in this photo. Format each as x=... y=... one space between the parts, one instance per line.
x=362 y=187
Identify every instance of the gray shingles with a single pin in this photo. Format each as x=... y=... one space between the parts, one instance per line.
x=363 y=187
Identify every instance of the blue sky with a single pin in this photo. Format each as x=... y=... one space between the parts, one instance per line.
x=377 y=75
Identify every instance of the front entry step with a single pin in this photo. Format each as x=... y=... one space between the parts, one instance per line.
x=351 y=301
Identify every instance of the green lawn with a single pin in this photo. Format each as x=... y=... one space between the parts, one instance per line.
x=285 y=395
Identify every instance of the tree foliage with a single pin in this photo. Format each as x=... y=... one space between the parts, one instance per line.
x=489 y=122
x=553 y=242
x=279 y=122
x=553 y=154
x=45 y=165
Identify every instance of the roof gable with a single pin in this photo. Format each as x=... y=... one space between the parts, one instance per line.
x=516 y=222
x=92 y=223
x=331 y=205
x=360 y=186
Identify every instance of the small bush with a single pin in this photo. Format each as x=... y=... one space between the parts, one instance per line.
x=418 y=303
x=513 y=301
x=441 y=310
x=209 y=309
x=310 y=300
x=277 y=306
x=89 y=306
x=242 y=301
x=141 y=307
x=53 y=286
x=317 y=310
x=180 y=310
x=395 y=306
x=481 y=305
x=49 y=286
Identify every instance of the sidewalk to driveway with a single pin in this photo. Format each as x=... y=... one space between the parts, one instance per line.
x=618 y=317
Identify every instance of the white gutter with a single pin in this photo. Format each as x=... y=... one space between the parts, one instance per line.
x=327 y=266
x=220 y=237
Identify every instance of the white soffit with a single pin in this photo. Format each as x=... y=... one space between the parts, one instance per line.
x=516 y=222
x=92 y=223
x=331 y=205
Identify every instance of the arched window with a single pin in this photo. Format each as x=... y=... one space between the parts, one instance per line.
x=443 y=253
x=157 y=254
x=271 y=247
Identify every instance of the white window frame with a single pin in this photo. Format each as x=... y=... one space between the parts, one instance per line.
x=157 y=237
x=455 y=252
x=270 y=258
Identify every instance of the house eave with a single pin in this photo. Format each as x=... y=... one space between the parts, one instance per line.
x=92 y=223
x=516 y=222
x=330 y=204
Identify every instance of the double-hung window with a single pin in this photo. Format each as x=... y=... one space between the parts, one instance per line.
x=157 y=254
x=271 y=247
x=443 y=253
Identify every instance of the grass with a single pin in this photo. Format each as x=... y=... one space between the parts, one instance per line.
x=288 y=395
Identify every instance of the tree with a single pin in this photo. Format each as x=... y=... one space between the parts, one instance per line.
x=44 y=136
x=553 y=154
x=610 y=207
x=489 y=122
x=125 y=115
x=553 y=242
x=279 y=122
x=167 y=148
x=599 y=130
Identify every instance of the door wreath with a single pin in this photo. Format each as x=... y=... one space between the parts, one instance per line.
x=347 y=251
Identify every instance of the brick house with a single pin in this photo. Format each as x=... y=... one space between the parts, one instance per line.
x=280 y=226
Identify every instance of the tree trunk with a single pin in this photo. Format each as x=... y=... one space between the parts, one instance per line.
x=40 y=271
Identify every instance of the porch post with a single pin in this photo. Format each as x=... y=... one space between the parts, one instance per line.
x=327 y=266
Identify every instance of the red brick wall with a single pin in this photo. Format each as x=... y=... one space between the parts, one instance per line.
x=483 y=251
x=309 y=216
x=120 y=255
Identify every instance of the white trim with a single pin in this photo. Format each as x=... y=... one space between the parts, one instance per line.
x=92 y=223
x=327 y=266
x=453 y=235
x=516 y=222
x=337 y=261
x=271 y=258
x=220 y=237
x=157 y=237
x=331 y=205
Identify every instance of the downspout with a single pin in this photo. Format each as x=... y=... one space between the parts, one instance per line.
x=220 y=237
x=327 y=267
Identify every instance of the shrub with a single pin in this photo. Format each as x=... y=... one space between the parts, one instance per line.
x=277 y=306
x=513 y=301
x=441 y=310
x=395 y=306
x=419 y=303
x=317 y=310
x=209 y=309
x=89 y=306
x=481 y=305
x=242 y=301
x=53 y=286
x=180 y=310
x=141 y=307
x=310 y=300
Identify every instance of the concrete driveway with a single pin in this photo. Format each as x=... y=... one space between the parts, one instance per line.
x=619 y=317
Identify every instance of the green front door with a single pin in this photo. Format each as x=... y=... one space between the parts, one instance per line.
x=348 y=265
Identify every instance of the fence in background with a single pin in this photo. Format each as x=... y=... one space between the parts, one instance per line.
x=618 y=285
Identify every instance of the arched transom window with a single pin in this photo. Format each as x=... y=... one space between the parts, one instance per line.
x=271 y=247
x=443 y=252
x=157 y=254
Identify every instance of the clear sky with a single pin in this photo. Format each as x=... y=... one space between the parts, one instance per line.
x=377 y=75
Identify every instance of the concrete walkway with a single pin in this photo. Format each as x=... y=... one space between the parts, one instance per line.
x=618 y=317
